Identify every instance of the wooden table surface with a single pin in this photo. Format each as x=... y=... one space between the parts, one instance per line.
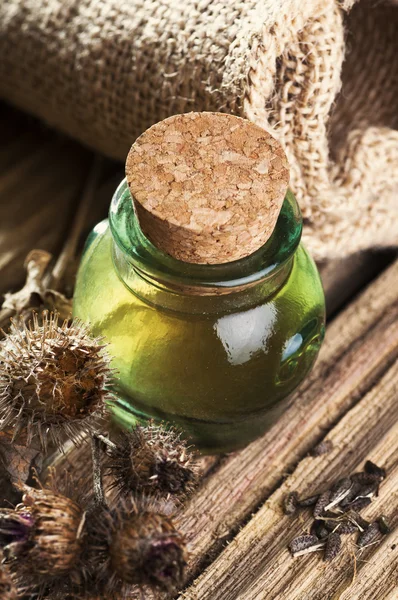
x=235 y=526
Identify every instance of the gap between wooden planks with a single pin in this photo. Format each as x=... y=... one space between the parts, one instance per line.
x=257 y=564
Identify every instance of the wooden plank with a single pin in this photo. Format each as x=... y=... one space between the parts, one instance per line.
x=257 y=564
x=355 y=354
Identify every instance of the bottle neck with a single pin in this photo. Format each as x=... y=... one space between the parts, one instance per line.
x=163 y=281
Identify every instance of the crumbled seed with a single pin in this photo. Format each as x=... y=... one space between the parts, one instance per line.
x=368 y=536
x=358 y=504
x=352 y=494
x=333 y=546
x=357 y=520
x=339 y=491
x=290 y=502
x=323 y=447
x=372 y=469
x=368 y=491
x=322 y=502
x=365 y=478
x=384 y=525
x=304 y=544
x=310 y=501
x=319 y=529
x=346 y=527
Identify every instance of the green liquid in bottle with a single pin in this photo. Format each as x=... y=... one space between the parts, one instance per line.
x=215 y=350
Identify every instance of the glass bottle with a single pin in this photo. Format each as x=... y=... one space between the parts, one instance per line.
x=215 y=349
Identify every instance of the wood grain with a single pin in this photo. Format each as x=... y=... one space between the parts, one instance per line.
x=257 y=564
x=355 y=354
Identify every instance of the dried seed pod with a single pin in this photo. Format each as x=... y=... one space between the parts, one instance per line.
x=43 y=536
x=323 y=447
x=333 y=546
x=322 y=502
x=136 y=546
x=372 y=469
x=304 y=544
x=310 y=501
x=53 y=380
x=368 y=536
x=290 y=503
x=153 y=460
x=8 y=591
x=383 y=524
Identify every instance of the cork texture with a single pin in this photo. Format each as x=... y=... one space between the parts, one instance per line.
x=207 y=187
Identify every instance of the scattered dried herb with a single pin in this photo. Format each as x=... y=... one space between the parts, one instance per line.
x=322 y=448
x=336 y=513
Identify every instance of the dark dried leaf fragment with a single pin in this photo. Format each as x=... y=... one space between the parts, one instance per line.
x=333 y=546
x=290 y=503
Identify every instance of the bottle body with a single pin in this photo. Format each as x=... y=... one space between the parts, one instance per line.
x=221 y=364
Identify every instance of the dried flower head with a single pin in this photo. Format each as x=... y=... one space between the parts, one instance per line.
x=53 y=380
x=43 y=536
x=8 y=590
x=153 y=460
x=139 y=546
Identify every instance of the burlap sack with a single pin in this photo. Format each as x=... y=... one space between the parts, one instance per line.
x=104 y=70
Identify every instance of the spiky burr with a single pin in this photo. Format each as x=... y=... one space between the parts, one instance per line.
x=54 y=380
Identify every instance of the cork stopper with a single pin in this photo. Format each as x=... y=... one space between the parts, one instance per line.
x=207 y=187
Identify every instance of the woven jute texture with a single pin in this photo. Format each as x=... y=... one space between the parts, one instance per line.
x=105 y=70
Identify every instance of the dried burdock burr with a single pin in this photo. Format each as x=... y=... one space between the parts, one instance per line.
x=42 y=537
x=8 y=591
x=136 y=545
x=152 y=460
x=53 y=380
